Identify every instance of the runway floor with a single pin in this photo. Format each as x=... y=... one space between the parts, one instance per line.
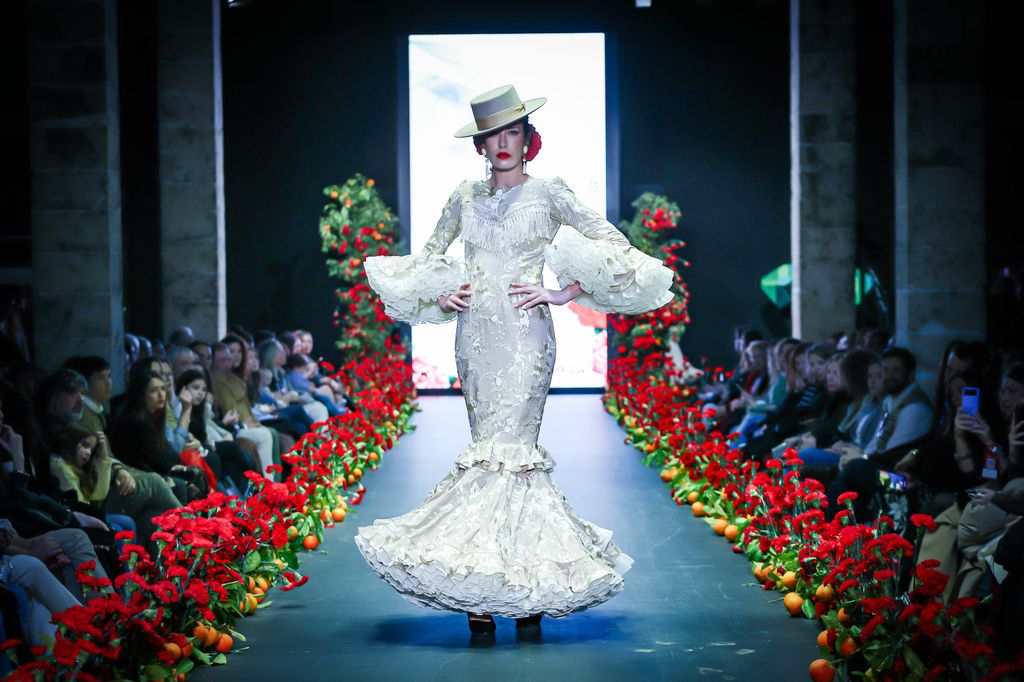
x=688 y=610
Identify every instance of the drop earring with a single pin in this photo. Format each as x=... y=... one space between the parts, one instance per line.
x=487 y=168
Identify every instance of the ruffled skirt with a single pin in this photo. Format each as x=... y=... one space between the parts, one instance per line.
x=496 y=536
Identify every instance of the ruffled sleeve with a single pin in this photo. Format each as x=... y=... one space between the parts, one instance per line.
x=409 y=285
x=616 y=276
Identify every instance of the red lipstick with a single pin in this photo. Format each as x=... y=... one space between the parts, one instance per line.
x=503 y=155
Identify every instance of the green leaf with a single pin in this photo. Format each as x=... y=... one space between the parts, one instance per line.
x=186 y=666
x=808 y=608
x=201 y=656
x=913 y=661
x=220 y=659
x=156 y=671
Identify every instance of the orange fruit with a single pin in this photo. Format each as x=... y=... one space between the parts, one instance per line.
x=262 y=583
x=844 y=617
x=199 y=632
x=259 y=595
x=691 y=497
x=211 y=637
x=373 y=457
x=292 y=532
x=720 y=526
x=305 y=510
x=224 y=643
x=668 y=474
x=250 y=583
x=848 y=647
x=351 y=479
x=174 y=650
x=323 y=514
x=789 y=580
x=338 y=514
x=823 y=638
x=279 y=563
x=698 y=509
x=357 y=472
x=186 y=651
x=311 y=542
x=821 y=671
x=339 y=481
x=825 y=593
x=732 y=532
x=794 y=603
x=342 y=503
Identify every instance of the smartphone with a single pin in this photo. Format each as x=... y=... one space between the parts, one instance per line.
x=973 y=492
x=969 y=400
x=898 y=482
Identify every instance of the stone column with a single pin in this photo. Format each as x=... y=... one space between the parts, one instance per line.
x=822 y=139
x=191 y=141
x=76 y=182
x=939 y=162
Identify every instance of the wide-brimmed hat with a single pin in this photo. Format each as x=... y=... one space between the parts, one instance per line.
x=496 y=109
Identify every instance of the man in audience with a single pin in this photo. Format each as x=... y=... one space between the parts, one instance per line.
x=181 y=359
x=907 y=417
x=182 y=336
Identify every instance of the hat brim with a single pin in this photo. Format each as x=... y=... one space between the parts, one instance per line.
x=530 y=106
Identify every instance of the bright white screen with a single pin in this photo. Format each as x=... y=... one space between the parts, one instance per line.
x=445 y=72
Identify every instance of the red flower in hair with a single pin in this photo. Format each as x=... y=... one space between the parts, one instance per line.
x=534 y=148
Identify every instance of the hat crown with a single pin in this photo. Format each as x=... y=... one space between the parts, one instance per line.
x=494 y=101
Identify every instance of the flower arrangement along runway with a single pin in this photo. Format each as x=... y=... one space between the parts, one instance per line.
x=842 y=573
x=220 y=557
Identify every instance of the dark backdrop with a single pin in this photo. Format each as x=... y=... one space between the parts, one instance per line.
x=310 y=98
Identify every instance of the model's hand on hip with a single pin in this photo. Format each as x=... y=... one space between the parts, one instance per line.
x=457 y=302
x=536 y=295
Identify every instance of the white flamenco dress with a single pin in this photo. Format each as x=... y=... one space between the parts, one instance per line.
x=497 y=535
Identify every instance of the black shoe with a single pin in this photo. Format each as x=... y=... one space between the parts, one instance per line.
x=477 y=626
x=529 y=620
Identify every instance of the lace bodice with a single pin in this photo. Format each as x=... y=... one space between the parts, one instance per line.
x=508 y=236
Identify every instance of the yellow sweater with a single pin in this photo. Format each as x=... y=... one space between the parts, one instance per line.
x=70 y=478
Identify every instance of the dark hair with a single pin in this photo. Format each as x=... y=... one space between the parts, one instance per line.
x=822 y=350
x=287 y=340
x=241 y=332
x=903 y=355
x=135 y=407
x=87 y=365
x=854 y=370
x=1015 y=373
x=243 y=367
x=62 y=381
x=197 y=422
x=262 y=335
x=197 y=343
x=67 y=442
x=296 y=360
x=478 y=140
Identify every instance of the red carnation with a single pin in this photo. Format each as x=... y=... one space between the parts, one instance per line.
x=924 y=521
x=534 y=148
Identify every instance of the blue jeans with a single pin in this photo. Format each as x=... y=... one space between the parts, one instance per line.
x=332 y=409
x=750 y=424
x=119 y=522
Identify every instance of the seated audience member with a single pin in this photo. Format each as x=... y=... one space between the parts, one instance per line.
x=299 y=370
x=861 y=373
x=82 y=465
x=935 y=463
x=291 y=342
x=873 y=340
x=142 y=438
x=232 y=402
x=328 y=386
x=145 y=348
x=204 y=353
x=967 y=532
x=757 y=412
x=182 y=337
x=232 y=461
x=1008 y=612
x=59 y=402
x=45 y=594
x=301 y=408
x=845 y=382
x=906 y=419
x=799 y=409
x=958 y=358
x=159 y=349
x=131 y=351
x=181 y=359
